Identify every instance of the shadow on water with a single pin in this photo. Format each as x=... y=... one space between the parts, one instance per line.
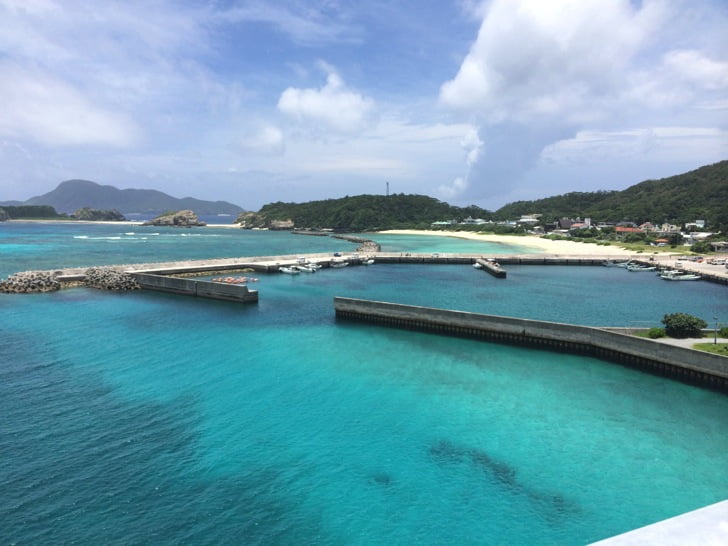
x=552 y=505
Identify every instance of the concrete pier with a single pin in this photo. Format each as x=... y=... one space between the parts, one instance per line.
x=238 y=293
x=695 y=367
x=492 y=267
x=706 y=526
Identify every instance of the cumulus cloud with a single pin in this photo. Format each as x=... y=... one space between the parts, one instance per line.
x=545 y=79
x=535 y=59
x=472 y=146
x=333 y=106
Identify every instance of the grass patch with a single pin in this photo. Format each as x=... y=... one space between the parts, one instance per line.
x=715 y=348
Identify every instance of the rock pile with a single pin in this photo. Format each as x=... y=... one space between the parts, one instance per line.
x=30 y=282
x=107 y=278
x=182 y=218
x=369 y=246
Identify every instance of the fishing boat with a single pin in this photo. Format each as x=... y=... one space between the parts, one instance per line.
x=289 y=270
x=339 y=265
x=637 y=268
x=304 y=268
x=612 y=263
x=672 y=275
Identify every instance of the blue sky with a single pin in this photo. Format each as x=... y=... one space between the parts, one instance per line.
x=258 y=101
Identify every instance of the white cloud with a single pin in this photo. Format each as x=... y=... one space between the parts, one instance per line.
x=306 y=23
x=332 y=107
x=472 y=146
x=696 y=68
x=42 y=108
x=666 y=143
x=266 y=140
x=535 y=59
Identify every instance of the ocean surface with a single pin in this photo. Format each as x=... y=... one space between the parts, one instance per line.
x=146 y=418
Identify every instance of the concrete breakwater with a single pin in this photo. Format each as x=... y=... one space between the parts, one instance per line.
x=32 y=282
x=238 y=293
x=365 y=245
x=687 y=365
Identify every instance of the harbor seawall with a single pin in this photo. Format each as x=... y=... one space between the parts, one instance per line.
x=190 y=287
x=682 y=364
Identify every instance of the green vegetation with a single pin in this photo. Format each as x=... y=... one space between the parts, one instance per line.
x=94 y=215
x=715 y=348
x=30 y=212
x=682 y=325
x=698 y=194
x=362 y=213
x=656 y=333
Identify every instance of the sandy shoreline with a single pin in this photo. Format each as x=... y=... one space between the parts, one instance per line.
x=547 y=246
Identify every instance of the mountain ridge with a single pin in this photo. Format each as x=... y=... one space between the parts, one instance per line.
x=71 y=195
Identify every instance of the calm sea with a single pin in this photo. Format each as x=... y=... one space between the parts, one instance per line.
x=146 y=418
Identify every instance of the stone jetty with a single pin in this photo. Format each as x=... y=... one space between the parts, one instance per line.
x=107 y=278
x=30 y=282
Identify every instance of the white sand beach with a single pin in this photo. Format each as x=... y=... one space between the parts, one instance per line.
x=547 y=246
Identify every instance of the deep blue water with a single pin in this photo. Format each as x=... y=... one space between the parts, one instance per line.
x=153 y=418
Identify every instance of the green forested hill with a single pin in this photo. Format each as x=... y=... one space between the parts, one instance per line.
x=699 y=194
x=365 y=212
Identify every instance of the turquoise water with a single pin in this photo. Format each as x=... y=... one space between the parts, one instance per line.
x=152 y=418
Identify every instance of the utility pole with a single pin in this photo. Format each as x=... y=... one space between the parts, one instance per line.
x=387 y=189
x=715 y=332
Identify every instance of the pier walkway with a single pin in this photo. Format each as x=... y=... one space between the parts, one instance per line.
x=271 y=264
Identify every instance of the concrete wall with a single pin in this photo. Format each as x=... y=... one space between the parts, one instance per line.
x=192 y=287
x=677 y=362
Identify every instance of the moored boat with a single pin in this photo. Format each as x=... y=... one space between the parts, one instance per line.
x=289 y=270
x=672 y=275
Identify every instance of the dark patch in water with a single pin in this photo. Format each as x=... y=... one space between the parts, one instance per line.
x=381 y=478
x=554 y=505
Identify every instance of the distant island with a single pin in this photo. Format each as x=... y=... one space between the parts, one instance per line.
x=73 y=195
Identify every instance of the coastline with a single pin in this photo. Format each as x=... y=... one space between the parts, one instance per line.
x=106 y=222
x=547 y=246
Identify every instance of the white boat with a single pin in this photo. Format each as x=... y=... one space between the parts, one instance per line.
x=289 y=270
x=370 y=261
x=637 y=268
x=304 y=268
x=672 y=275
x=476 y=265
x=610 y=263
x=339 y=265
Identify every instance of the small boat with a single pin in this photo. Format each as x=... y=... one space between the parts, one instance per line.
x=370 y=261
x=673 y=275
x=304 y=268
x=289 y=270
x=476 y=265
x=611 y=263
x=339 y=265
x=638 y=268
